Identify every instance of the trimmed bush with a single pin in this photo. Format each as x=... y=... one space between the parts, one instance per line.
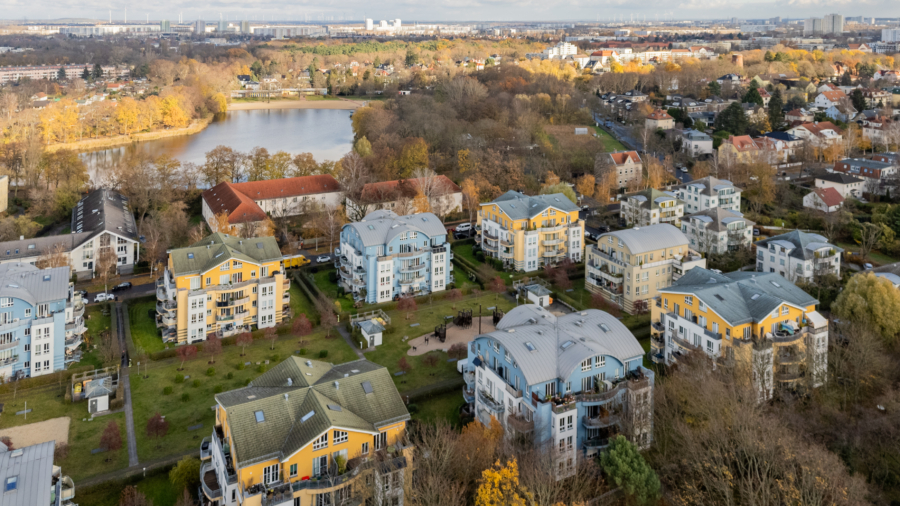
x=185 y=397
x=412 y=408
x=230 y=375
x=247 y=381
x=179 y=378
x=261 y=368
x=167 y=391
x=196 y=383
x=323 y=353
x=275 y=358
x=211 y=371
x=219 y=389
x=302 y=351
x=240 y=367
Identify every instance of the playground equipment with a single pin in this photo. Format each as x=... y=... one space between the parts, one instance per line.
x=463 y=319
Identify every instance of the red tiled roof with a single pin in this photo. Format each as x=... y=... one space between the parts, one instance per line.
x=830 y=196
x=385 y=191
x=623 y=157
x=239 y=199
x=834 y=95
x=658 y=115
x=817 y=128
x=742 y=142
x=605 y=52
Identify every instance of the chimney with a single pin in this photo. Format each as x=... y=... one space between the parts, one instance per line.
x=290 y=383
x=337 y=385
x=21 y=237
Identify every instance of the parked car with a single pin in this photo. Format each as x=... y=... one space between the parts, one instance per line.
x=323 y=258
x=83 y=293
x=867 y=266
x=464 y=227
x=755 y=231
x=122 y=286
x=103 y=297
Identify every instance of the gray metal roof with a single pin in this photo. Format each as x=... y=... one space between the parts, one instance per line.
x=547 y=333
x=380 y=227
x=104 y=209
x=803 y=245
x=31 y=248
x=371 y=327
x=709 y=184
x=32 y=467
x=519 y=206
x=33 y=285
x=718 y=218
x=890 y=276
x=654 y=237
x=740 y=297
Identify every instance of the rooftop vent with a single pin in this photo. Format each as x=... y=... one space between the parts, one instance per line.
x=290 y=382
x=308 y=363
x=337 y=385
x=530 y=346
x=604 y=327
x=566 y=344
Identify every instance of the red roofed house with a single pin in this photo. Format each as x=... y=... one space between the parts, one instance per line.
x=605 y=57
x=863 y=48
x=256 y=200
x=822 y=133
x=826 y=200
x=627 y=163
x=799 y=115
x=739 y=148
x=445 y=196
x=659 y=119
x=765 y=96
x=827 y=99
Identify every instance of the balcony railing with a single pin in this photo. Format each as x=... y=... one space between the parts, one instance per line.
x=233 y=302
x=164 y=307
x=489 y=402
x=468 y=394
x=596 y=443
x=413 y=281
x=601 y=421
x=606 y=256
x=520 y=424
x=552 y=242
x=209 y=482
x=9 y=360
x=73 y=342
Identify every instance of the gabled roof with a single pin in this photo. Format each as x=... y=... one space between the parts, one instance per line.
x=239 y=199
x=740 y=297
x=829 y=196
x=834 y=95
x=518 y=206
x=659 y=115
x=386 y=191
x=104 y=210
x=839 y=178
x=650 y=198
x=561 y=343
x=623 y=157
x=804 y=244
x=742 y=142
x=719 y=218
x=300 y=399
x=217 y=248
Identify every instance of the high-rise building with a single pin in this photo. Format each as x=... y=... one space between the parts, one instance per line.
x=165 y=26
x=812 y=26
x=199 y=27
x=833 y=23
x=245 y=27
x=890 y=35
x=222 y=27
x=370 y=25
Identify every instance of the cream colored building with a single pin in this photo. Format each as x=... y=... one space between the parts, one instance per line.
x=629 y=267
x=649 y=207
x=4 y=193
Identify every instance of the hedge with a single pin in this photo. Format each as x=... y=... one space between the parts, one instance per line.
x=428 y=391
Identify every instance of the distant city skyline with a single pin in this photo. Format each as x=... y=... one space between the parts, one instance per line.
x=472 y=11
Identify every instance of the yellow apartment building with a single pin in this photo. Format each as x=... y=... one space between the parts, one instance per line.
x=309 y=433
x=630 y=267
x=223 y=285
x=760 y=323
x=528 y=232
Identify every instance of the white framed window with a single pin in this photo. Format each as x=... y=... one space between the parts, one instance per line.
x=320 y=443
x=340 y=436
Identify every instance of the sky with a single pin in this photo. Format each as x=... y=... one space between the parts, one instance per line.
x=452 y=10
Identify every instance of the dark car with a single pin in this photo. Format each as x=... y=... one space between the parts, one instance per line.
x=83 y=293
x=122 y=286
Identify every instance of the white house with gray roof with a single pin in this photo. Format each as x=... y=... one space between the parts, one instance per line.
x=717 y=230
x=386 y=255
x=29 y=478
x=709 y=193
x=572 y=382
x=650 y=207
x=798 y=256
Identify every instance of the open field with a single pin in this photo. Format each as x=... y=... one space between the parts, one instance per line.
x=443 y=407
x=54 y=429
x=610 y=143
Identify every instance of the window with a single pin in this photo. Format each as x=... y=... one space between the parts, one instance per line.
x=340 y=436
x=271 y=474
x=586 y=384
x=586 y=365
x=293 y=470
x=365 y=449
x=600 y=361
x=689 y=300
x=322 y=442
x=320 y=466
x=224 y=267
x=380 y=441
x=784 y=310
x=12 y=483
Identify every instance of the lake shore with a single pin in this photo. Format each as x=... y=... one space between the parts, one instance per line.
x=122 y=140
x=340 y=104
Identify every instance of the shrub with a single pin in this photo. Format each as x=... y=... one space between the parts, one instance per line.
x=332 y=277
x=261 y=368
x=167 y=391
x=323 y=353
x=179 y=378
x=303 y=351
x=230 y=375
x=185 y=397
x=240 y=367
x=412 y=408
x=219 y=389
x=247 y=381
x=196 y=383
x=211 y=371
x=275 y=358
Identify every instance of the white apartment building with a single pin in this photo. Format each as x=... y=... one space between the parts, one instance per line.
x=798 y=256
x=709 y=193
x=717 y=231
x=650 y=207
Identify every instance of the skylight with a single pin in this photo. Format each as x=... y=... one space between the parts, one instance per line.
x=604 y=327
x=566 y=344
x=776 y=284
x=12 y=483
x=220 y=254
x=367 y=387
x=755 y=296
x=259 y=245
x=719 y=297
x=260 y=417
x=530 y=346
x=334 y=407
x=190 y=256
x=371 y=227
x=307 y=416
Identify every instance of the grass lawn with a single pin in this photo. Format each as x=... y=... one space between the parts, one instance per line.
x=96 y=323
x=84 y=436
x=610 y=143
x=143 y=327
x=43 y=220
x=875 y=256
x=440 y=407
x=157 y=488
x=579 y=293
x=462 y=278
x=149 y=397
x=301 y=304
x=465 y=251
x=428 y=317
x=330 y=289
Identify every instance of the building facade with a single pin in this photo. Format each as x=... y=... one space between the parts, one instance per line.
x=399 y=196
x=42 y=321
x=717 y=231
x=221 y=285
x=528 y=232
x=309 y=433
x=571 y=382
x=709 y=193
x=650 y=207
x=845 y=184
x=386 y=256
x=28 y=476
x=628 y=267
x=760 y=324
x=626 y=164
x=798 y=256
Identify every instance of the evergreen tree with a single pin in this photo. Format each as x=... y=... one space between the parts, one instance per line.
x=715 y=88
x=256 y=68
x=61 y=75
x=732 y=120
x=753 y=97
x=859 y=101
x=86 y=75
x=776 y=110
x=628 y=470
x=846 y=80
x=412 y=57
x=98 y=72
x=770 y=56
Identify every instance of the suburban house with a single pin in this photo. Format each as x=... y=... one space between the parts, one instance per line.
x=604 y=57
x=444 y=196
x=659 y=119
x=627 y=165
x=739 y=149
x=649 y=207
x=876 y=98
x=876 y=175
x=43 y=321
x=760 y=325
x=845 y=184
x=766 y=96
x=100 y=220
x=696 y=143
x=827 y=99
x=529 y=232
x=798 y=256
x=309 y=433
x=28 y=476
x=821 y=134
x=827 y=200
x=709 y=193
x=221 y=285
x=255 y=201
x=881 y=130
x=571 y=383
x=386 y=255
x=841 y=111
x=717 y=230
x=628 y=267
x=798 y=115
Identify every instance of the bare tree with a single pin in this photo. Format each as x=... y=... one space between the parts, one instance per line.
x=869 y=234
x=106 y=264
x=56 y=255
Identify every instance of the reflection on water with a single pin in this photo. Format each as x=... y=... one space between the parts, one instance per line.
x=325 y=133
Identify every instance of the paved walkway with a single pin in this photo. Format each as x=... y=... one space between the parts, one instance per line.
x=346 y=335
x=123 y=376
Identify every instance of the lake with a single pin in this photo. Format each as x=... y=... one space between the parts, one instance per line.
x=326 y=133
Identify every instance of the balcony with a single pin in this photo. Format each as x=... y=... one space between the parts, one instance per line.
x=78 y=311
x=468 y=394
x=166 y=320
x=67 y=490
x=603 y=420
x=233 y=302
x=596 y=443
x=518 y=423
x=488 y=235
x=76 y=327
x=469 y=376
x=413 y=253
x=73 y=357
x=209 y=483
x=286 y=297
x=554 y=253
x=412 y=268
x=73 y=342
x=206 y=449
x=507 y=254
x=606 y=256
x=489 y=247
x=412 y=281
x=785 y=356
x=9 y=360
x=552 y=242
x=489 y=402
x=12 y=343
x=514 y=392
x=165 y=307
x=280 y=495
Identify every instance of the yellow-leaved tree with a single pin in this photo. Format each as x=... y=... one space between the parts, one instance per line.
x=873 y=301
x=420 y=204
x=500 y=487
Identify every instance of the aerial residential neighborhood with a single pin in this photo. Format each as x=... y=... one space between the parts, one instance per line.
x=293 y=255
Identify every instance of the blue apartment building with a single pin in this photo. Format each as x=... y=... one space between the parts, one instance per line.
x=570 y=382
x=41 y=320
x=386 y=255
